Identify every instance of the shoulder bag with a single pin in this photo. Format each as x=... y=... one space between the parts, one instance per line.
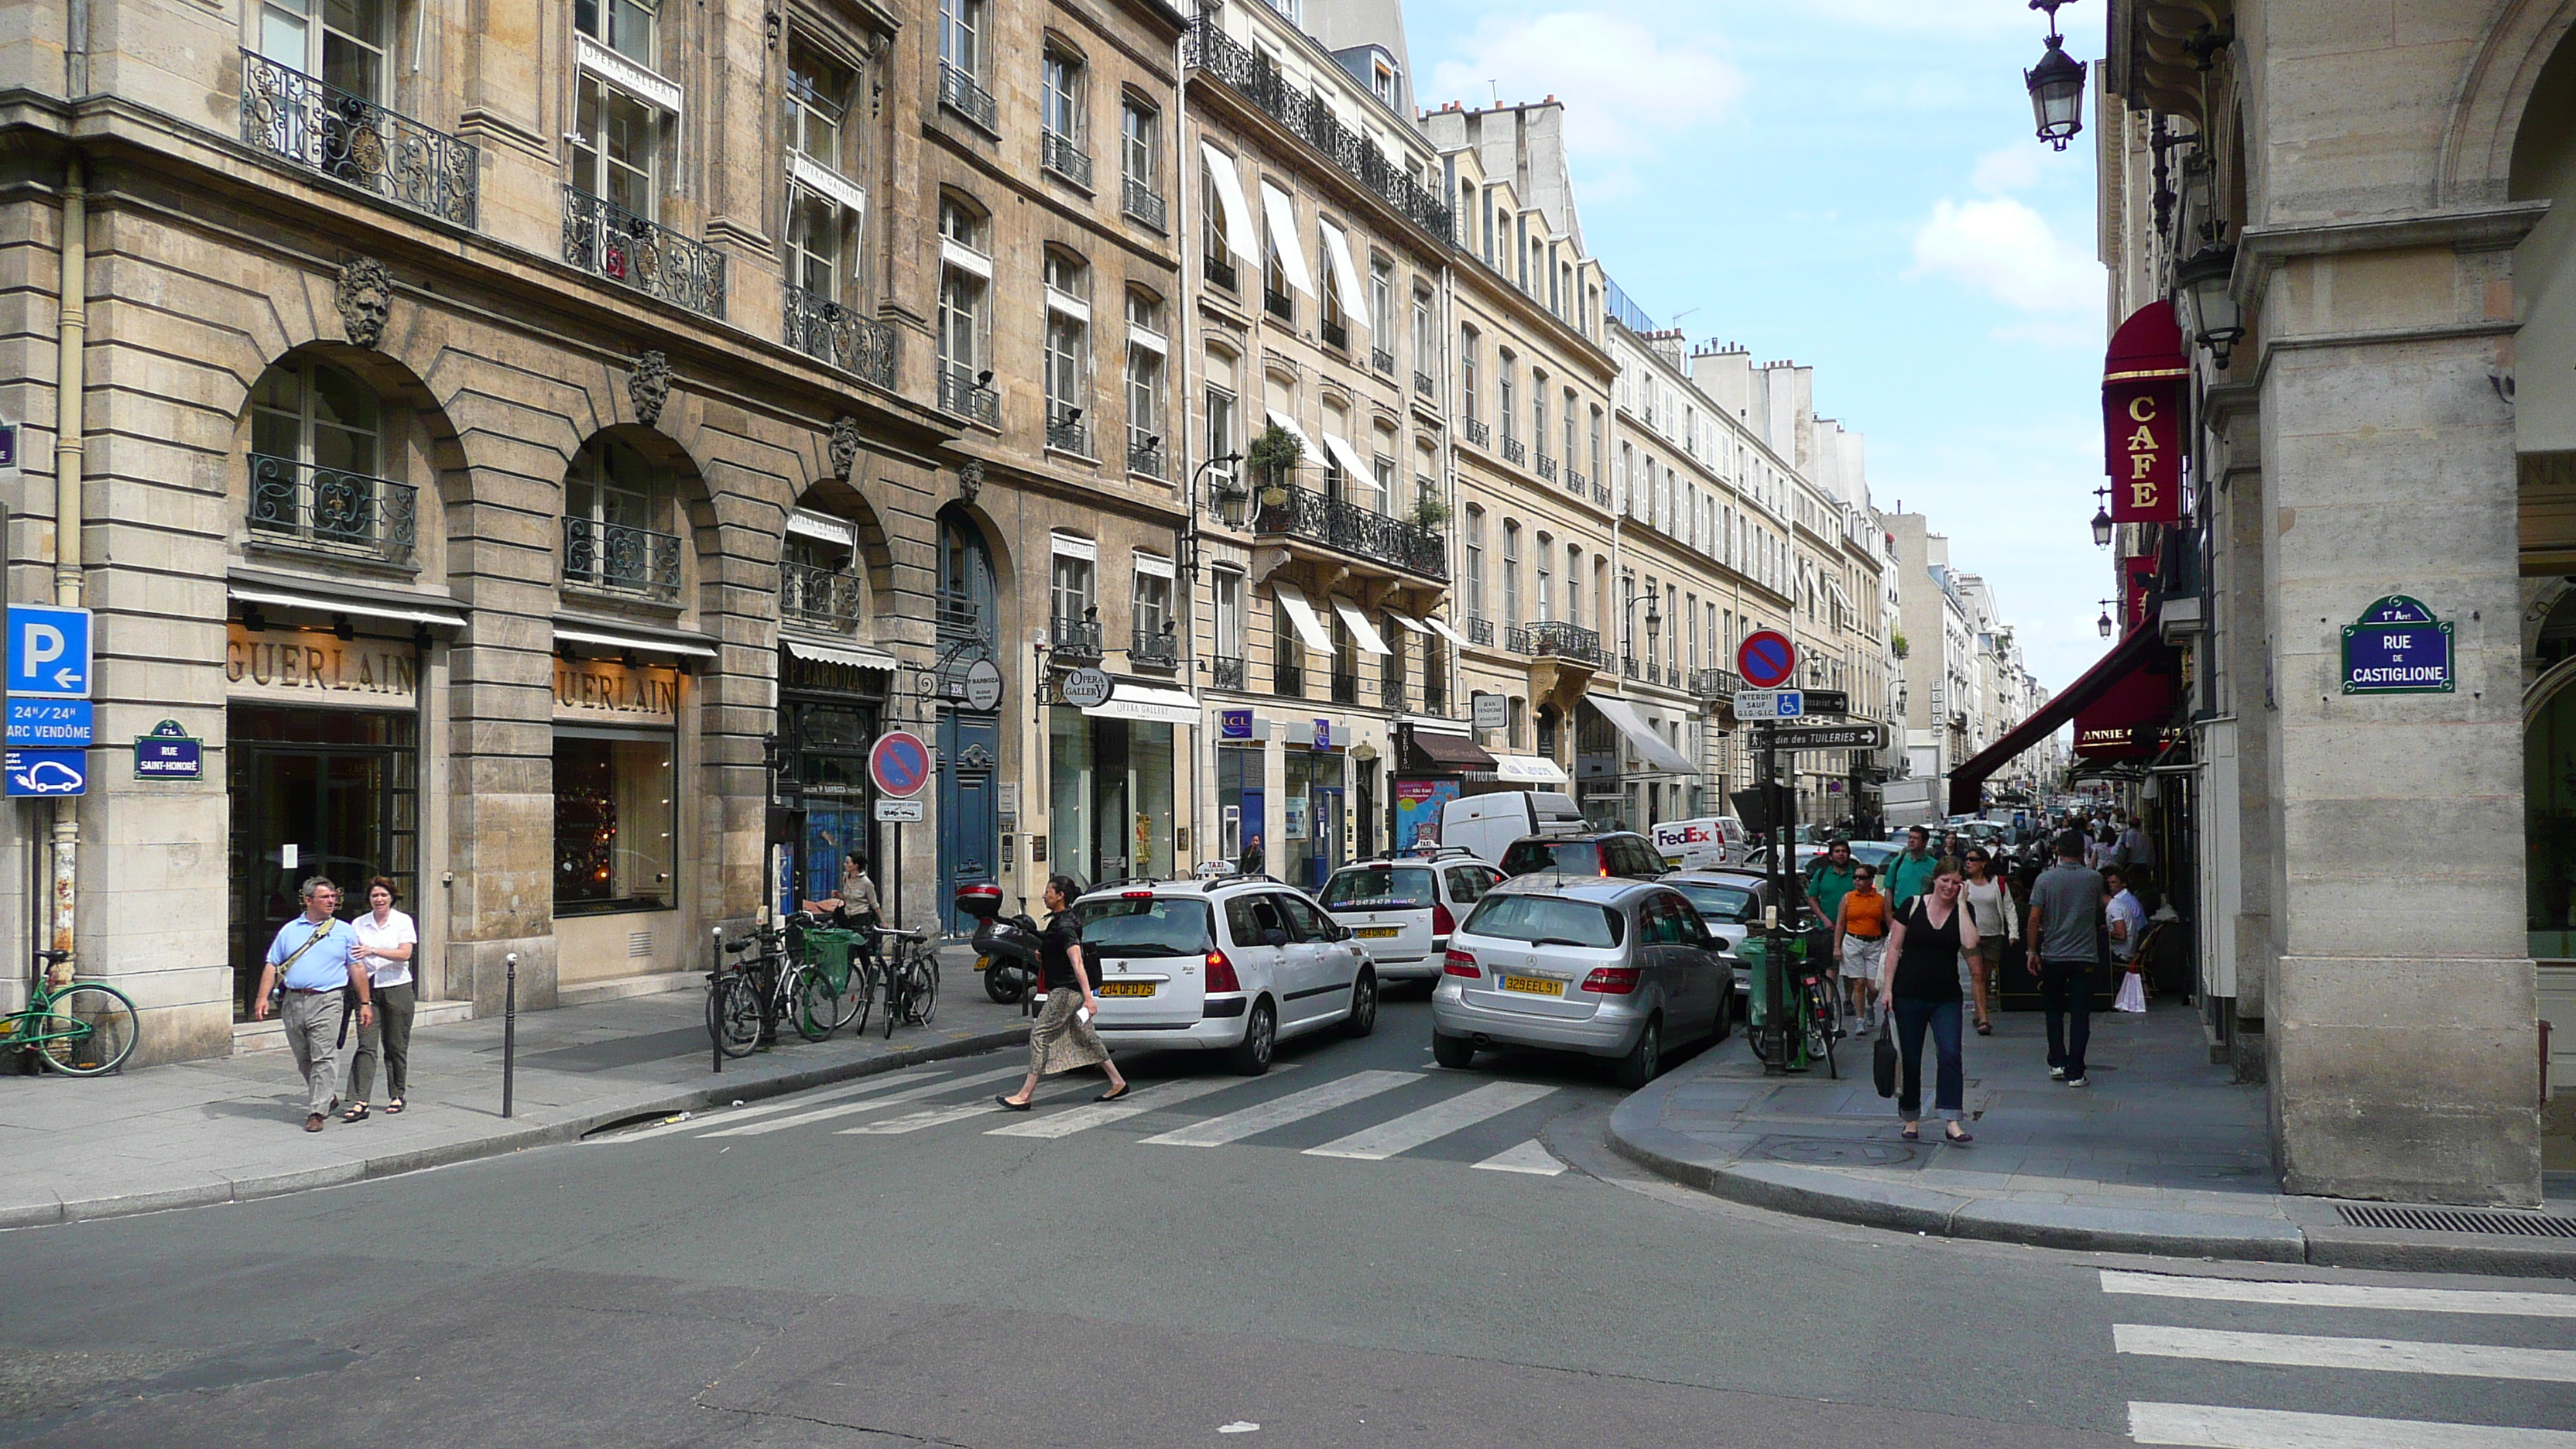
x=1882 y=1060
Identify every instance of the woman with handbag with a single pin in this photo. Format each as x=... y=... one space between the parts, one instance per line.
x=1921 y=989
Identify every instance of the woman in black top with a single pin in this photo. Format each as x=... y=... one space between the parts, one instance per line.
x=1922 y=988
x=1062 y=1037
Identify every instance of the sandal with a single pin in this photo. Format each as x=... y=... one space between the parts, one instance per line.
x=1958 y=1135
x=1123 y=1089
x=1914 y=1133
x=394 y=1107
x=1985 y=1028
x=357 y=1113
x=1005 y=1099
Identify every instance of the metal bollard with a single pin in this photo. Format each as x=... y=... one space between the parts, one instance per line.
x=715 y=998
x=509 y=1029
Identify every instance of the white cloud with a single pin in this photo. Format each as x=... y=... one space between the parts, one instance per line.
x=2006 y=250
x=2006 y=168
x=1950 y=21
x=1628 y=89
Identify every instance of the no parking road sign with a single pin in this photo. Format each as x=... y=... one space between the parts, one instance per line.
x=1766 y=659
x=900 y=764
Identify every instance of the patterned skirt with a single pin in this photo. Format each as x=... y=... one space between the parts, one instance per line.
x=1061 y=1041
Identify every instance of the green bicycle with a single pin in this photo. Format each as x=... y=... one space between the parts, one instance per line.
x=84 y=1029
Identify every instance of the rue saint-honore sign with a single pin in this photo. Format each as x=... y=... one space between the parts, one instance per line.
x=2397 y=647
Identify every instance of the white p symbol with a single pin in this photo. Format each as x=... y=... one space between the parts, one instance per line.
x=44 y=646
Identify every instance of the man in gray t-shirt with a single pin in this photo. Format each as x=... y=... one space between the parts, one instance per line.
x=2065 y=926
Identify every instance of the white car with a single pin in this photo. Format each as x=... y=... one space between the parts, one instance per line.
x=1236 y=964
x=1402 y=910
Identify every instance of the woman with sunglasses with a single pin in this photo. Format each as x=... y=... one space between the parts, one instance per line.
x=1988 y=898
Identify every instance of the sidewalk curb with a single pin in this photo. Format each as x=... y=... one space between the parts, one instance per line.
x=1636 y=1133
x=279 y=1184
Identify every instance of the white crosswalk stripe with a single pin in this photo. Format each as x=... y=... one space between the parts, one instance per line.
x=2386 y=1355
x=1141 y=1101
x=2204 y=1426
x=2341 y=1295
x=825 y=1114
x=1430 y=1124
x=1530 y=1157
x=915 y=1122
x=1281 y=1111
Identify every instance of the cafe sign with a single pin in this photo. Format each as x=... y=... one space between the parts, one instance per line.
x=2397 y=647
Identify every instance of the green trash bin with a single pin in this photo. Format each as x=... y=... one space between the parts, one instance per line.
x=828 y=950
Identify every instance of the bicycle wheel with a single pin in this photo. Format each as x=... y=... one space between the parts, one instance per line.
x=92 y=1030
x=738 y=1013
x=817 y=1007
x=898 y=995
x=925 y=995
x=862 y=995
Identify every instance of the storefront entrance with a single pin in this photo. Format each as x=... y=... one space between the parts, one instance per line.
x=314 y=792
x=970 y=826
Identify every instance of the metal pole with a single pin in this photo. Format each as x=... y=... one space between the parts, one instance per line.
x=509 y=1029
x=715 y=999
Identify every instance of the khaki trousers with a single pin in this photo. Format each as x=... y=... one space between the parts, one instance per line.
x=312 y=1020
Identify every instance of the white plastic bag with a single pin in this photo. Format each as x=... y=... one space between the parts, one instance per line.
x=2133 y=996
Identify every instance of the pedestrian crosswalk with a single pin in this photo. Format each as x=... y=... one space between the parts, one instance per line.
x=2373 y=1317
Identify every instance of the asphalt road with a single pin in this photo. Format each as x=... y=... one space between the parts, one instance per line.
x=874 y=1264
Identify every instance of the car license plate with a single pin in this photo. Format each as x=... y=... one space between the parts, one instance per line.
x=1126 y=988
x=1534 y=985
x=1377 y=933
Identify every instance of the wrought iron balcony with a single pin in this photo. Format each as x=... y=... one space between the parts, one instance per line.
x=1555 y=638
x=1382 y=361
x=1144 y=455
x=1628 y=666
x=1059 y=154
x=1547 y=467
x=1600 y=495
x=356 y=142
x=829 y=332
x=961 y=394
x=1480 y=630
x=1278 y=304
x=1435 y=688
x=1424 y=387
x=1153 y=648
x=1346 y=687
x=1220 y=273
x=1144 y=203
x=957 y=616
x=1391 y=696
x=1574 y=482
x=620 y=559
x=820 y=598
x=1067 y=431
x=326 y=509
x=1337 y=335
x=1297 y=108
x=606 y=240
x=1288 y=680
x=1514 y=450
x=1307 y=514
x=1074 y=641
x=959 y=92
x=1715 y=683
x=1225 y=671
x=1479 y=434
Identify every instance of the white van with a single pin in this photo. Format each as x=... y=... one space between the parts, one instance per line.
x=1701 y=844
x=1488 y=824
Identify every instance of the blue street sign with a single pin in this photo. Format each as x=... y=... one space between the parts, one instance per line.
x=166 y=754
x=49 y=651
x=2397 y=647
x=8 y=447
x=60 y=723
x=46 y=772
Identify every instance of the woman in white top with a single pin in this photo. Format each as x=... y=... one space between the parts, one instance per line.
x=386 y=940
x=1987 y=897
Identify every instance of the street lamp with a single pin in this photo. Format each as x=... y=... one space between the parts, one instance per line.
x=2104 y=623
x=2056 y=85
x=2102 y=519
x=2209 y=299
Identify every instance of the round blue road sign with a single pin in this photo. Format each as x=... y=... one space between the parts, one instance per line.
x=900 y=764
x=1766 y=659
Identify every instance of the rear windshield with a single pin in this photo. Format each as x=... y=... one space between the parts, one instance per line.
x=1568 y=857
x=1545 y=919
x=1378 y=888
x=1159 y=927
x=1731 y=904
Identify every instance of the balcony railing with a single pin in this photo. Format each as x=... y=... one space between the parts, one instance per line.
x=1628 y=666
x=620 y=559
x=1715 y=683
x=1067 y=431
x=356 y=142
x=323 y=508
x=1288 y=680
x=957 y=616
x=1225 y=671
x=1309 y=515
x=1346 y=687
x=1480 y=630
x=1424 y=387
x=1298 y=109
x=821 y=598
x=1555 y=638
x=1220 y=273
x=1600 y=495
x=1382 y=361
x=1514 y=450
x=1153 y=648
x=829 y=332
x=1278 y=304
x=1060 y=155
x=959 y=92
x=1479 y=434
x=606 y=240
x=1435 y=689
x=1144 y=455
x=1337 y=335
x=1574 y=482
x=1547 y=467
x=961 y=394
x=1075 y=641
x=1144 y=203
x=1391 y=695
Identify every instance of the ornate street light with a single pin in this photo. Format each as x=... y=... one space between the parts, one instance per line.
x=2209 y=301
x=2102 y=520
x=2103 y=624
x=2056 y=85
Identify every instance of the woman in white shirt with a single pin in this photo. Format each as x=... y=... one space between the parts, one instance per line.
x=386 y=940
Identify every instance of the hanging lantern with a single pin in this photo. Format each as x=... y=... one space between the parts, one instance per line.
x=2056 y=85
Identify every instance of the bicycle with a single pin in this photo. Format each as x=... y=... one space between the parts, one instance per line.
x=747 y=998
x=827 y=999
x=1809 y=1022
x=911 y=978
x=83 y=1029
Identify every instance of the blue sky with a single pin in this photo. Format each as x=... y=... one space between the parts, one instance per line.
x=1852 y=184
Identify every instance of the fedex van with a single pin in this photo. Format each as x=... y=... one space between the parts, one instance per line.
x=1700 y=844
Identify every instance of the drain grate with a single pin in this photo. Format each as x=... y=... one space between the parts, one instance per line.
x=2455 y=1220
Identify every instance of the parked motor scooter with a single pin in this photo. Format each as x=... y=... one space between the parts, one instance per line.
x=1006 y=947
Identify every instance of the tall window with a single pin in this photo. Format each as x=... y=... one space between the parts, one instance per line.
x=1511 y=574
x=1145 y=346
x=1067 y=285
x=820 y=227
x=618 y=515
x=1473 y=547
x=1467 y=372
x=343 y=42
x=1213 y=242
x=1153 y=598
x=1596 y=446
x=1140 y=151
x=1060 y=97
x=1546 y=560
x=963 y=285
x=1220 y=415
x=1424 y=349
x=1538 y=411
x=1574 y=585
x=961 y=35
x=1070 y=596
x=1382 y=304
x=617 y=136
x=1229 y=615
x=1504 y=369
x=1571 y=402
x=1336 y=307
x=313 y=414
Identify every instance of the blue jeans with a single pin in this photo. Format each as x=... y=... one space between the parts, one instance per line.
x=1950 y=1090
x=2066 y=990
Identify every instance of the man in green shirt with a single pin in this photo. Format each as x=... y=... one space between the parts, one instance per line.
x=1828 y=881
x=1910 y=873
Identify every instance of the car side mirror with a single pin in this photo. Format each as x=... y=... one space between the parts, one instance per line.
x=1274 y=937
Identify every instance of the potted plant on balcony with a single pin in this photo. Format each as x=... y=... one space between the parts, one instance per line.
x=1429 y=511
x=1273 y=456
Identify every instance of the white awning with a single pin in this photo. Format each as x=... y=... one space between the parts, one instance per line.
x=1441 y=627
x=1523 y=770
x=1301 y=615
x=1153 y=563
x=1410 y=623
x=1294 y=431
x=1282 y=216
x=1149 y=339
x=965 y=258
x=1148 y=703
x=1229 y=200
x=1358 y=624
x=640 y=643
x=1352 y=464
x=278 y=599
x=876 y=659
x=1073 y=545
x=1660 y=757
x=1337 y=255
x=1068 y=304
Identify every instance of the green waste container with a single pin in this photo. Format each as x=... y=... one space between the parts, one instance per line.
x=828 y=950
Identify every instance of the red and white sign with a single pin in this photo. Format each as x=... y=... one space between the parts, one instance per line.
x=2143 y=374
x=900 y=764
x=1766 y=659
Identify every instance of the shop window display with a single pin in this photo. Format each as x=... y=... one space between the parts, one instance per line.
x=615 y=824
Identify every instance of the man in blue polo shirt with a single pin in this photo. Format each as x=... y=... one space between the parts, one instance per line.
x=314 y=951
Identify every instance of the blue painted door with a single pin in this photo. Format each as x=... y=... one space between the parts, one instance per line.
x=969 y=827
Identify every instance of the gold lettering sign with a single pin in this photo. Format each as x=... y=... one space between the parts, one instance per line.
x=313 y=666
x=605 y=691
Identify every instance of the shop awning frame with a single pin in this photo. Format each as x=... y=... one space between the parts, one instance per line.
x=1302 y=616
x=1281 y=214
x=321 y=604
x=1448 y=753
x=639 y=642
x=1657 y=751
x=1523 y=770
x=851 y=655
x=2132 y=651
x=1441 y=627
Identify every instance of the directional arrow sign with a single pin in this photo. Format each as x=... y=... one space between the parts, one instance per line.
x=1830 y=737
x=49 y=651
x=1828 y=701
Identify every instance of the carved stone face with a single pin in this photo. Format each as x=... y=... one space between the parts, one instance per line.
x=365 y=297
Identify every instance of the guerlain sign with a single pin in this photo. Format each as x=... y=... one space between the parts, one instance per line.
x=314 y=666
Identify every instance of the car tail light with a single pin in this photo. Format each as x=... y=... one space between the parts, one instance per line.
x=1611 y=980
x=1442 y=923
x=1221 y=973
x=1135 y=895
x=1459 y=963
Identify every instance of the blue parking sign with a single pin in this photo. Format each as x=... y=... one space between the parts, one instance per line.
x=49 y=651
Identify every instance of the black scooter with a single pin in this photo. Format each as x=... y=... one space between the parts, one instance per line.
x=1008 y=945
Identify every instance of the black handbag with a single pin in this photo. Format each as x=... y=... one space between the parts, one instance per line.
x=1882 y=1061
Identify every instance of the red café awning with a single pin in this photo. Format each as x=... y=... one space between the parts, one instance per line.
x=2128 y=691
x=2143 y=375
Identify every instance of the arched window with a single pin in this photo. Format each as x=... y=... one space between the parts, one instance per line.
x=618 y=528
x=317 y=446
x=965 y=608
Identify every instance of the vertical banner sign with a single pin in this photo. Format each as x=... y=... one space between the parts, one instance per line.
x=2142 y=413
x=2137 y=582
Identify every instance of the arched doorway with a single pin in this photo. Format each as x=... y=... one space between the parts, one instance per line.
x=970 y=741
